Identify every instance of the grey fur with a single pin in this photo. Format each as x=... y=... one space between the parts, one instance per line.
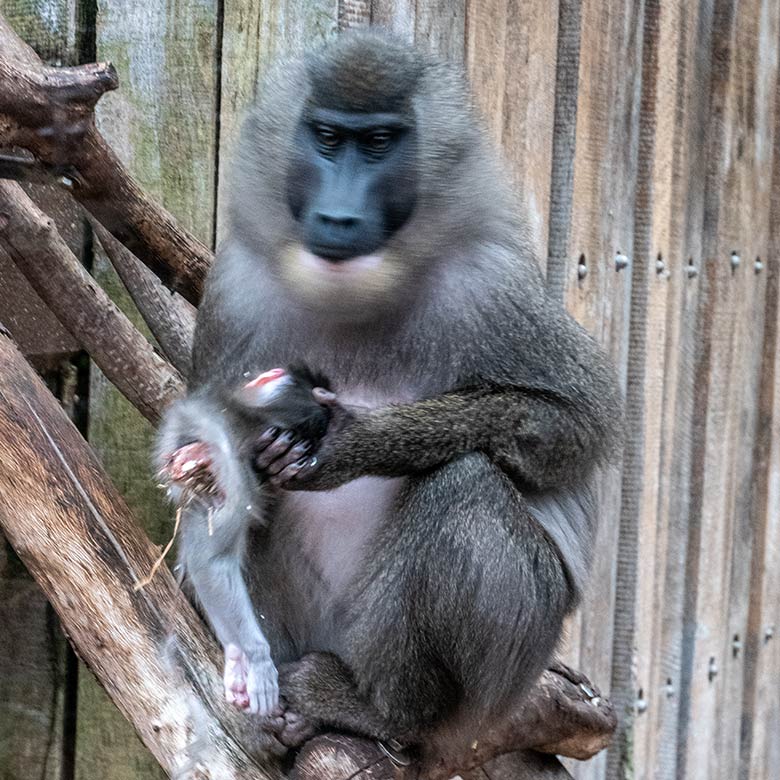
x=415 y=583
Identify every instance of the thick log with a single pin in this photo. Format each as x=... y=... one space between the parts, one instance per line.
x=76 y=536
x=30 y=238
x=563 y=714
x=50 y=112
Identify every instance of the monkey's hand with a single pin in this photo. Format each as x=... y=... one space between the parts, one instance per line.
x=288 y=462
x=189 y=469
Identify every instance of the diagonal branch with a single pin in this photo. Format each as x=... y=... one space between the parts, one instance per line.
x=170 y=318
x=79 y=540
x=50 y=112
x=122 y=353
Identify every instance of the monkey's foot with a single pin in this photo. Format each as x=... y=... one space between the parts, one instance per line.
x=250 y=685
x=190 y=469
x=291 y=728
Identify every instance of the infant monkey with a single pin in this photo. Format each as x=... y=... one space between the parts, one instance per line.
x=205 y=451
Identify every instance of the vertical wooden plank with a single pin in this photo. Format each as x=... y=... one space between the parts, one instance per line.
x=32 y=677
x=354 y=13
x=438 y=25
x=396 y=15
x=759 y=745
x=51 y=27
x=747 y=223
x=597 y=283
x=563 y=145
x=511 y=57
x=255 y=33
x=728 y=366
x=162 y=123
x=441 y=26
x=643 y=539
x=683 y=96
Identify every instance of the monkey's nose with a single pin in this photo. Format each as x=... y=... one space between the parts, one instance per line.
x=335 y=219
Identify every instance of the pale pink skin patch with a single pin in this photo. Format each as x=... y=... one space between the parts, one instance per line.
x=235 y=677
x=265 y=378
x=342 y=268
x=187 y=459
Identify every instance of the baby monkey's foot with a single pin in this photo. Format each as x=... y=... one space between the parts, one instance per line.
x=189 y=468
x=251 y=683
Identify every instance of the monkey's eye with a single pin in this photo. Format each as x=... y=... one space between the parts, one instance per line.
x=379 y=141
x=327 y=137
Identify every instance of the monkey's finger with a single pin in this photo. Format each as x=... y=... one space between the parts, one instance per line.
x=292 y=455
x=274 y=450
x=263 y=687
x=286 y=478
x=266 y=438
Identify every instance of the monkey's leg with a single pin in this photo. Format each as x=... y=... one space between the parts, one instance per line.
x=212 y=552
x=457 y=611
x=320 y=690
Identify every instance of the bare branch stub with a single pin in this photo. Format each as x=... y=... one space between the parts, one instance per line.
x=50 y=112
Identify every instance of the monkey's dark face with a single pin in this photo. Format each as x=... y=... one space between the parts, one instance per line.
x=351 y=184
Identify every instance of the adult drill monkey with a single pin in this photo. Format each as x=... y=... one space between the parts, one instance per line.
x=415 y=571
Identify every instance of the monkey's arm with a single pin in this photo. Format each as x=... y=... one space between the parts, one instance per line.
x=539 y=438
x=195 y=444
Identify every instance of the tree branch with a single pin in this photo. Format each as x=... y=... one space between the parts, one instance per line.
x=122 y=353
x=50 y=112
x=77 y=537
x=170 y=318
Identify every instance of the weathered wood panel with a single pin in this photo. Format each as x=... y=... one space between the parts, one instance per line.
x=682 y=79
x=759 y=745
x=597 y=283
x=254 y=34
x=731 y=325
x=511 y=57
x=163 y=124
x=36 y=679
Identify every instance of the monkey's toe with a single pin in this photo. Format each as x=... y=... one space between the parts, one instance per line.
x=262 y=685
x=188 y=460
x=235 y=677
x=296 y=730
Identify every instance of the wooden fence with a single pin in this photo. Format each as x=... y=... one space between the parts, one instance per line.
x=645 y=137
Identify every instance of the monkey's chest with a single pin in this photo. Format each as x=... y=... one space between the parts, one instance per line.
x=335 y=528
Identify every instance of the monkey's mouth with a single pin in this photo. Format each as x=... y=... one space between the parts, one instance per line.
x=328 y=263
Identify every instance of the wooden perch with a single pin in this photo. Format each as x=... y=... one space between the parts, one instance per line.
x=170 y=318
x=50 y=112
x=563 y=714
x=128 y=360
x=79 y=540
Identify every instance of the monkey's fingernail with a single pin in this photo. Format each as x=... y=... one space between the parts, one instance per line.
x=271 y=433
x=307 y=462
